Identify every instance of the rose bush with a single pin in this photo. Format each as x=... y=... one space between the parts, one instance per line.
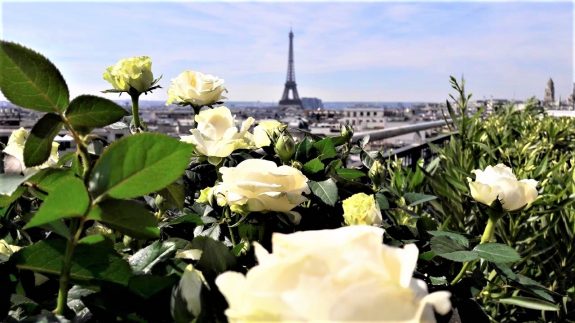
x=498 y=182
x=361 y=208
x=134 y=72
x=216 y=134
x=141 y=229
x=331 y=275
x=256 y=185
x=195 y=88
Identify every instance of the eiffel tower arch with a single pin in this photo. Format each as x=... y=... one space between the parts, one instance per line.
x=290 y=85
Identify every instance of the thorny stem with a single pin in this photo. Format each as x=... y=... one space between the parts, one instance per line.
x=76 y=225
x=136 y=112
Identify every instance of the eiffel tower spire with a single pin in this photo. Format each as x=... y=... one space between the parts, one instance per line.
x=290 y=81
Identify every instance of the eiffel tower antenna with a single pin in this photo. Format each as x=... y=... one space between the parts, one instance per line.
x=290 y=85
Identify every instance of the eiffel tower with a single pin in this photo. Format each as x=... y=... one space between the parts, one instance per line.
x=290 y=85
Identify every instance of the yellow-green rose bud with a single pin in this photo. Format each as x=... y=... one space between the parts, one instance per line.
x=361 y=209
x=376 y=173
x=346 y=131
x=285 y=146
x=265 y=131
x=133 y=72
x=206 y=196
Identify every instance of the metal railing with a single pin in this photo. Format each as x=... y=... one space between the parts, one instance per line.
x=410 y=154
x=398 y=131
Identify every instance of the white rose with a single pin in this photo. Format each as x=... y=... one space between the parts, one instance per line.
x=135 y=72
x=264 y=130
x=196 y=88
x=14 y=159
x=361 y=208
x=498 y=182
x=257 y=185
x=331 y=275
x=216 y=134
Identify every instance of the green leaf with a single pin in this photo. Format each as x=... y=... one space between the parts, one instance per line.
x=497 y=252
x=88 y=111
x=313 y=166
x=325 y=190
x=94 y=259
x=30 y=80
x=460 y=256
x=139 y=164
x=368 y=158
x=326 y=148
x=215 y=256
x=303 y=150
x=39 y=143
x=382 y=201
x=147 y=286
x=69 y=199
x=9 y=183
x=47 y=179
x=174 y=194
x=6 y=200
x=531 y=303
x=127 y=216
x=350 y=173
x=455 y=236
x=188 y=218
x=418 y=198
x=445 y=244
x=146 y=258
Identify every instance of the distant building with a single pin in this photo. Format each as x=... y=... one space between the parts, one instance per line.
x=311 y=103
x=364 y=117
x=549 y=98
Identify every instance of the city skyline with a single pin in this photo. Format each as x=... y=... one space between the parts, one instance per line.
x=368 y=51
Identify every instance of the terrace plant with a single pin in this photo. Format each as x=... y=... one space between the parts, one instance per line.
x=145 y=230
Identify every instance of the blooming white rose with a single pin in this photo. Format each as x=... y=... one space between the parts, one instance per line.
x=331 y=275
x=264 y=130
x=257 y=185
x=498 y=182
x=216 y=134
x=135 y=72
x=361 y=208
x=14 y=159
x=196 y=88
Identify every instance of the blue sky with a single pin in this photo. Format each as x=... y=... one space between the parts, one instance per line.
x=344 y=51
